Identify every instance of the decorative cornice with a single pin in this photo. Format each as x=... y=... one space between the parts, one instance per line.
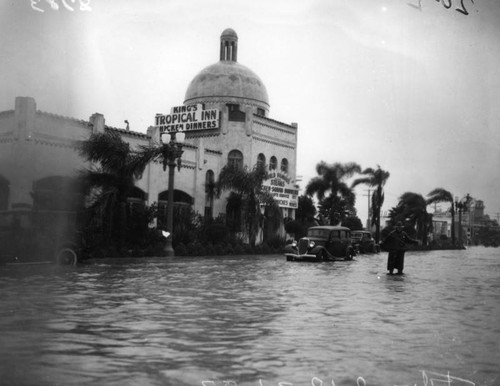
x=216 y=152
x=274 y=120
x=52 y=140
x=7 y=112
x=188 y=164
x=127 y=132
x=273 y=141
x=287 y=129
x=8 y=139
x=62 y=117
x=203 y=135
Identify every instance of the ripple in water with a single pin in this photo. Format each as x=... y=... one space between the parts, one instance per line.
x=253 y=321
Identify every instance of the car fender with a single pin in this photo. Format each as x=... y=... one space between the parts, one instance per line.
x=317 y=248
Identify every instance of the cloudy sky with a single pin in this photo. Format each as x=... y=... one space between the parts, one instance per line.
x=410 y=85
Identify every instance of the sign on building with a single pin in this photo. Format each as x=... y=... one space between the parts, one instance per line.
x=283 y=192
x=188 y=118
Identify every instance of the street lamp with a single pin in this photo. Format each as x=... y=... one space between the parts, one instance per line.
x=172 y=152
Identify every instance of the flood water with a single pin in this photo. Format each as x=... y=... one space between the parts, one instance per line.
x=254 y=321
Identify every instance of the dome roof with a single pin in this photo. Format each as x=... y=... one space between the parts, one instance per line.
x=227 y=80
x=229 y=32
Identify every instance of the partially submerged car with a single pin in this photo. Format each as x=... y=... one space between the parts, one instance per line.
x=363 y=242
x=39 y=237
x=322 y=243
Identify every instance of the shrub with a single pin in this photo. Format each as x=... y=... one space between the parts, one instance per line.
x=220 y=249
x=238 y=249
x=210 y=250
x=248 y=250
x=266 y=249
x=277 y=243
x=296 y=228
x=216 y=233
x=181 y=250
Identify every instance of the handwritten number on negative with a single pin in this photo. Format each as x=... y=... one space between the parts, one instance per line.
x=448 y=3
x=463 y=10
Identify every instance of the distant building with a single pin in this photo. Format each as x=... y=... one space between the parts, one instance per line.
x=39 y=157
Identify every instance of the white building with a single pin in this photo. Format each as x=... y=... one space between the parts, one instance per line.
x=39 y=150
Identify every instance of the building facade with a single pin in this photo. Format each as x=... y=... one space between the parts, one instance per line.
x=39 y=155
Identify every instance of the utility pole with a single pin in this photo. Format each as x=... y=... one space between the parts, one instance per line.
x=368 y=219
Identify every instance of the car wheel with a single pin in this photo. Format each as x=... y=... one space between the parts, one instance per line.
x=322 y=255
x=66 y=256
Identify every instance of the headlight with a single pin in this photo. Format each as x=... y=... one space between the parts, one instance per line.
x=311 y=244
x=294 y=244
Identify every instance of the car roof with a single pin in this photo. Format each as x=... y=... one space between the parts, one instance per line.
x=331 y=227
x=361 y=232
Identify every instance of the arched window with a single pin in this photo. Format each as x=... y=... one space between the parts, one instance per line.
x=209 y=195
x=284 y=165
x=261 y=159
x=182 y=205
x=235 y=158
x=136 y=200
x=273 y=163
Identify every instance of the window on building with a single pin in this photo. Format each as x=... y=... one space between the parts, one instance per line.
x=284 y=165
x=235 y=114
x=261 y=112
x=182 y=206
x=273 y=163
x=261 y=159
x=235 y=158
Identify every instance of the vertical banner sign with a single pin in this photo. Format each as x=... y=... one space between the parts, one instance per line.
x=188 y=118
x=283 y=192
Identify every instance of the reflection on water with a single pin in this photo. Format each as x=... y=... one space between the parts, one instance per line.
x=253 y=321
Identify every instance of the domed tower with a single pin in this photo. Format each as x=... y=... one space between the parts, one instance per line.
x=227 y=81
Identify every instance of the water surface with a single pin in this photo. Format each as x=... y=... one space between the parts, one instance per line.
x=254 y=321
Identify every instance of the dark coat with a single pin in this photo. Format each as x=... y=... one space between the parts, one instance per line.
x=396 y=244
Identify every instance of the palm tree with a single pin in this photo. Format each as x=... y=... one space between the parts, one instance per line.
x=247 y=194
x=334 y=195
x=375 y=178
x=441 y=195
x=110 y=179
x=412 y=207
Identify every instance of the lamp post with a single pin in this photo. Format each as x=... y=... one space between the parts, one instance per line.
x=172 y=152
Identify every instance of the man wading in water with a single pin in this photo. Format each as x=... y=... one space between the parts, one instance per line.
x=395 y=244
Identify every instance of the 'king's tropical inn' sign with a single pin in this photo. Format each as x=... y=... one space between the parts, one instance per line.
x=188 y=118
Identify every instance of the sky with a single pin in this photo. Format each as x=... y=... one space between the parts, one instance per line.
x=410 y=85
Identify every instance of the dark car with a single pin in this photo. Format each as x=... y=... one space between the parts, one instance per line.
x=363 y=242
x=322 y=243
x=30 y=237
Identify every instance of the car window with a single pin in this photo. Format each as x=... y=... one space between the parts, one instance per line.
x=323 y=233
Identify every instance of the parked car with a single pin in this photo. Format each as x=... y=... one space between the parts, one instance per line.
x=363 y=242
x=30 y=237
x=322 y=243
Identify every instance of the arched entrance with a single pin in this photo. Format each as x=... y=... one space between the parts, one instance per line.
x=182 y=204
